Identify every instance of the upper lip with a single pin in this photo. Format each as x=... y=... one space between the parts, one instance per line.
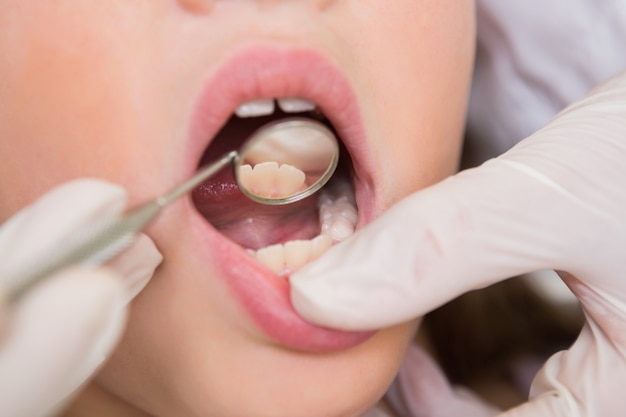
x=271 y=72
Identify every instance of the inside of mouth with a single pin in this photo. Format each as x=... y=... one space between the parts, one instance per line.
x=286 y=237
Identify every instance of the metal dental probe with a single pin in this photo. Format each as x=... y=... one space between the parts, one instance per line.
x=103 y=241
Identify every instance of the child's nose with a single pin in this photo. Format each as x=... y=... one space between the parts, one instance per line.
x=205 y=6
x=197 y=6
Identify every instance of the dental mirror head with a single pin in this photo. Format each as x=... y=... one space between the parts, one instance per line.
x=286 y=160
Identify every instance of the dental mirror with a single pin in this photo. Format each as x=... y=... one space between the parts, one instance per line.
x=282 y=162
x=286 y=161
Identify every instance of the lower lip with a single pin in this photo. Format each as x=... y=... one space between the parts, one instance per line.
x=265 y=296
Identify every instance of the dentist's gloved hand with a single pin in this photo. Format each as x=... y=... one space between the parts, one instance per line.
x=557 y=200
x=56 y=336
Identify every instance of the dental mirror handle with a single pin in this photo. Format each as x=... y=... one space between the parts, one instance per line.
x=102 y=242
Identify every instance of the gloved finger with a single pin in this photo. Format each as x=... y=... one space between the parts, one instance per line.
x=53 y=219
x=422 y=390
x=534 y=208
x=136 y=265
x=464 y=233
x=585 y=380
x=56 y=337
x=589 y=377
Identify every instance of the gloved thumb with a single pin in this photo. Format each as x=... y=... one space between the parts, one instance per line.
x=462 y=234
x=422 y=390
x=536 y=207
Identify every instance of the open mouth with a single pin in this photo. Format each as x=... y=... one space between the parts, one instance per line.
x=283 y=238
x=253 y=246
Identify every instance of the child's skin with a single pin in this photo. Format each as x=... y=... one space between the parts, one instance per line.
x=108 y=89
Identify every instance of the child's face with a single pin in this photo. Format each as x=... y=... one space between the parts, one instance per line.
x=132 y=91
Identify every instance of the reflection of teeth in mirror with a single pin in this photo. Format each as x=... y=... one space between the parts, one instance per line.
x=268 y=179
x=284 y=259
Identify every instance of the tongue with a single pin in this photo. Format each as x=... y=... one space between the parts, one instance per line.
x=250 y=224
x=253 y=225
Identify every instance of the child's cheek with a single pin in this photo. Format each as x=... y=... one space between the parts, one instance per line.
x=69 y=100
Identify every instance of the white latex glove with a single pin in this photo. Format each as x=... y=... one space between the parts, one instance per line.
x=557 y=200
x=56 y=336
x=422 y=390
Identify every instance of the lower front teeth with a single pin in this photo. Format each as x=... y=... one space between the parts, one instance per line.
x=285 y=258
x=338 y=218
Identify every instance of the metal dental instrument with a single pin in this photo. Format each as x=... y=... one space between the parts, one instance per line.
x=307 y=148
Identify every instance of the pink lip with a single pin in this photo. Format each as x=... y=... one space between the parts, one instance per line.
x=265 y=72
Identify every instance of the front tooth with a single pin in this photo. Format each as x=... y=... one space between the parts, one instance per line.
x=257 y=179
x=289 y=180
x=255 y=108
x=297 y=254
x=283 y=259
x=246 y=178
x=272 y=257
x=320 y=245
x=263 y=178
x=295 y=105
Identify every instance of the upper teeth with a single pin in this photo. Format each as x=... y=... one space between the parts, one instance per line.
x=295 y=105
x=265 y=107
